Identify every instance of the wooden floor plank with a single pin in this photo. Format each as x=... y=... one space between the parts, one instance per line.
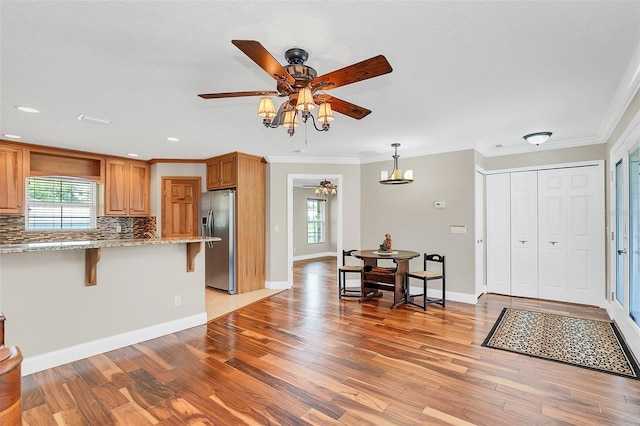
x=304 y=356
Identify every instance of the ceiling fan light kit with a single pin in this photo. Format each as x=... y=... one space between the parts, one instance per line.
x=326 y=188
x=537 y=138
x=395 y=177
x=300 y=83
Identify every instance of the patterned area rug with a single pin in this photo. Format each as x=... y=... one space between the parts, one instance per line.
x=597 y=345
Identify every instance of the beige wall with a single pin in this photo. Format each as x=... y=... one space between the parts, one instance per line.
x=407 y=212
x=632 y=110
x=555 y=156
x=159 y=170
x=300 y=246
x=625 y=120
x=277 y=209
x=49 y=308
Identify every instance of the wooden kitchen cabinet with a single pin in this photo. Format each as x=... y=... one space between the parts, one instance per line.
x=127 y=187
x=222 y=172
x=245 y=173
x=11 y=180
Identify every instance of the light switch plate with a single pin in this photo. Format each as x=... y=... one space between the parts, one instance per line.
x=439 y=204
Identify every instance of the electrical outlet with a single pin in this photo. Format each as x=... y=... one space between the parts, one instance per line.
x=118 y=228
x=178 y=300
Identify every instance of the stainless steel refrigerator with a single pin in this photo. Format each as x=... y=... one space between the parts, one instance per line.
x=218 y=217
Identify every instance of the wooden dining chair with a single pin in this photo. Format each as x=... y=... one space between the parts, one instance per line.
x=343 y=291
x=428 y=273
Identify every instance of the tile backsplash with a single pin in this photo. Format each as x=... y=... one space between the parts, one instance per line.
x=12 y=230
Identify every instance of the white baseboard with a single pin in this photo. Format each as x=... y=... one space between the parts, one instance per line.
x=44 y=361
x=277 y=285
x=451 y=295
x=315 y=255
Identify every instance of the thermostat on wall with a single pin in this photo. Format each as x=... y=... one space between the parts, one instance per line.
x=458 y=229
x=439 y=204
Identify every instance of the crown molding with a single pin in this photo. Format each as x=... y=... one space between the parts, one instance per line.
x=311 y=160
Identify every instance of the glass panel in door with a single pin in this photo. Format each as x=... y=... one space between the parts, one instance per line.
x=619 y=233
x=634 y=236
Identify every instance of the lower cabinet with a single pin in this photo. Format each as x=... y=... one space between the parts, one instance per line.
x=544 y=234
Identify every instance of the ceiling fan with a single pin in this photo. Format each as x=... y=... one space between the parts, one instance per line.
x=300 y=84
x=325 y=187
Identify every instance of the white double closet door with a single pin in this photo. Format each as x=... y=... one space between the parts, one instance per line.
x=545 y=234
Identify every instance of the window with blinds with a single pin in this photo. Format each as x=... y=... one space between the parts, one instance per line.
x=315 y=221
x=60 y=203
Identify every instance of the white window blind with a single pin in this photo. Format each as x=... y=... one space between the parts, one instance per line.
x=60 y=203
x=315 y=221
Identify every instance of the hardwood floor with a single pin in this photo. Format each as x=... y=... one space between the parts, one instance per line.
x=305 y=357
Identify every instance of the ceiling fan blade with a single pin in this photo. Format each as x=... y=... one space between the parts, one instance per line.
x=343 y=107
x=263 y=58
x=239 y=94
x=373 y=67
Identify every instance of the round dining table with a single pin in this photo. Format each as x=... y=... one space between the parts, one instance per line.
x=374 y=279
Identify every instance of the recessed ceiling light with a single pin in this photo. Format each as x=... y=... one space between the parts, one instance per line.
x=6 y=135
x=27 y=109
x=170 y=139
x=83 y=117
x=132 y=155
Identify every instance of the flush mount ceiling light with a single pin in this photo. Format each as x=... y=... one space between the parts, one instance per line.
x=6 y=135
x=395 y=177
x=131 y=154
x=537 y=138
x=27 y=109
x=84 y=117
x=170 y=139
x=298 y=83
x=325 y=188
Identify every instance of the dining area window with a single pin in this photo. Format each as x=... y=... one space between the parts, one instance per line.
x=315 y=221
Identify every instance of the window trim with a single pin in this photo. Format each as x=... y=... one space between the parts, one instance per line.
x=64 y=220
x=321 y=222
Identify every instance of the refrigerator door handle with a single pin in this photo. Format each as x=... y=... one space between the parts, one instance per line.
x=210 y=227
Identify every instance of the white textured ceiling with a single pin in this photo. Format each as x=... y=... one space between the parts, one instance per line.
x=465 y=74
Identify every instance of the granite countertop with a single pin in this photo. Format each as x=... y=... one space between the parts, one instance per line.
x=71 y=245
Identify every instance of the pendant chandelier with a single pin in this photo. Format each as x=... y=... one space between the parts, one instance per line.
x=326 y=188
x=395 y=177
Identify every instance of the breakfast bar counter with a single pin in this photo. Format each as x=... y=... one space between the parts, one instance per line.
x=86 y=244
x=92 y=249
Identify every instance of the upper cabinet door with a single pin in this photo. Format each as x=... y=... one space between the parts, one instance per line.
x=116 y=187
x=127 y=188
x=139 y=183
x=222 y=172
x=11 y=180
